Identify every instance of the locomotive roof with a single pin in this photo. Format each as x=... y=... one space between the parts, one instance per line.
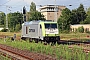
x=35 y=22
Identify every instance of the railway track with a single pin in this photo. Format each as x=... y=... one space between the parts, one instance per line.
x=85 y=45
x=13 y=53
x=72 y=42
x=83 y=48
x=17 y=54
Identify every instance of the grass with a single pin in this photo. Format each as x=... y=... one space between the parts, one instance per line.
x=75 y=36
x=10 y=33
x=59 y=51
x=64 y=36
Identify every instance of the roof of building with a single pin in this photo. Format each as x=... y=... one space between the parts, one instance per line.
x=46 y=6
x=79 y=24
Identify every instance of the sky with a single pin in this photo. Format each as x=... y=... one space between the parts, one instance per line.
x=17 y=5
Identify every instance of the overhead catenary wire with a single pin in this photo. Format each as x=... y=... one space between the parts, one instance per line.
x=5 y=3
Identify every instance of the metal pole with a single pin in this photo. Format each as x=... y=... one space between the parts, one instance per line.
x=6 y=19
x=55 y=12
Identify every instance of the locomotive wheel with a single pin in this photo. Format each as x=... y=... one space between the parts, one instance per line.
x=30 y=40
x=36 y=40
x=23 y=38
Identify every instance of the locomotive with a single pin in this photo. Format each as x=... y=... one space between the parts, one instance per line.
x=46 y=31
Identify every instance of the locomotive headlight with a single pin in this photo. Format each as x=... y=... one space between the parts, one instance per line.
x=46 y=34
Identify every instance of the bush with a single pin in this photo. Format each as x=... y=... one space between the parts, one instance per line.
x=81 y=29
x=4 y=30
x=17 y=28
x=65 y=31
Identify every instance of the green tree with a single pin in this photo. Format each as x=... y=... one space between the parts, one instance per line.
x=81 y=13
x=32 y=7
x=17 y=28
x=36 y=16
x=65 y=20
x=78 y=15
x=2 y=18
x=87 y=20
x=33 y=14
x=74 y=17
x=14 y=19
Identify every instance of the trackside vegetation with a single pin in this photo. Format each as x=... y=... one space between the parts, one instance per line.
x=3 y=57
x=60 y=52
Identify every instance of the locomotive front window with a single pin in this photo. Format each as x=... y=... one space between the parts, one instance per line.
x=53 y=25
x=47 y=25
x=50 y=25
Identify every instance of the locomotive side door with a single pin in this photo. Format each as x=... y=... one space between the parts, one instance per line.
x=40 y=32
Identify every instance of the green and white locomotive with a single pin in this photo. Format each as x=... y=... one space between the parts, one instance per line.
x=40 y=31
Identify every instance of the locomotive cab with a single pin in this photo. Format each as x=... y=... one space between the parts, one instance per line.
x=51 y=32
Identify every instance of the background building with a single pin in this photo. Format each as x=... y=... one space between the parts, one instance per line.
x=51 y=12
x=75 y=27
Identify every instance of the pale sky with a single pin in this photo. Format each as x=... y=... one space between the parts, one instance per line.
x=17 y=5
